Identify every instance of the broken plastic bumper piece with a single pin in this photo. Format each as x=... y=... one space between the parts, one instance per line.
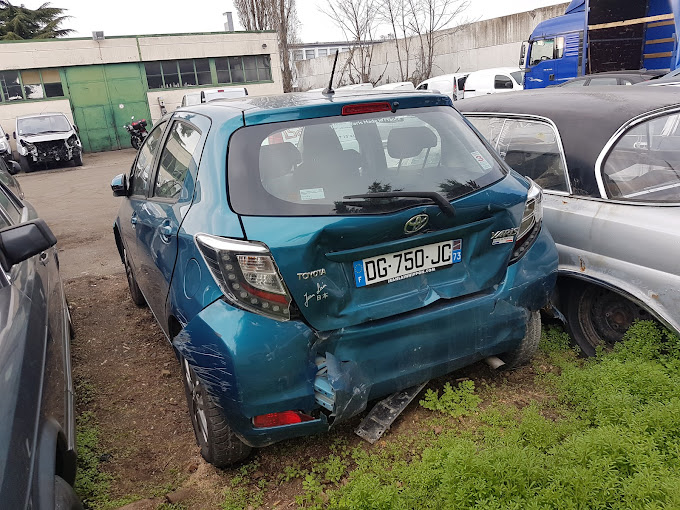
x=324 y=395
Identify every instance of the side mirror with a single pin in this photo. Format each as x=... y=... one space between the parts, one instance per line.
x=14 y=167
x=7 y=135
x=23 y=241
x=119 y=186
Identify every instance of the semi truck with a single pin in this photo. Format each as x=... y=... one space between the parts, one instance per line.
x=595 y=36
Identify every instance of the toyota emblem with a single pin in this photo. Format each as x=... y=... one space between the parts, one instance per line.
x=416 y=224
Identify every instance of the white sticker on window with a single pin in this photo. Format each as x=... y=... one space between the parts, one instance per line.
x=481 y=160
x=312 y=194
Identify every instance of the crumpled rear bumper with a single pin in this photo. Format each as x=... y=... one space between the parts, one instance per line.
x=253 y=365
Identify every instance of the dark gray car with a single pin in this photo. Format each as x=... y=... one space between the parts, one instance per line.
x=37 y=434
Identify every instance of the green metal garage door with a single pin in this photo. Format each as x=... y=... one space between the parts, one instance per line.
x=104 y=97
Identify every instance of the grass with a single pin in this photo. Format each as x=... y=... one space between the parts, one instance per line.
x=609 y=439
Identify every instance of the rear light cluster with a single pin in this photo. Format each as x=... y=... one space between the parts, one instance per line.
x=278 y=419
x=247 y=275
x=531 y=222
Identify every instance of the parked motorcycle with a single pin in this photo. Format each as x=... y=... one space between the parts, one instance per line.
x=137 y=130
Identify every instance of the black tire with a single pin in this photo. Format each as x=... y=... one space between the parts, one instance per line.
x=136 y=142
x=64 y=496
x=599 y=317
x=25 y=164
x=219 y=445
x=78 y=159
x=529 y=345
x=135 y=293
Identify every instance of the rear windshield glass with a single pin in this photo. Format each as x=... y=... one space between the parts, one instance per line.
x=310 y=167
x=43 y=124
x=644 y=165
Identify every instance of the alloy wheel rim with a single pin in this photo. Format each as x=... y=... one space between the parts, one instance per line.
x=197 y=403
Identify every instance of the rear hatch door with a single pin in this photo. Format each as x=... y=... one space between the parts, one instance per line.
x=347 y=261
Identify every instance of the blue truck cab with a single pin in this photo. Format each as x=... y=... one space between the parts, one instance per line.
x=595 y=36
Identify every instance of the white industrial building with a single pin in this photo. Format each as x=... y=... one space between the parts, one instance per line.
x=100 y=84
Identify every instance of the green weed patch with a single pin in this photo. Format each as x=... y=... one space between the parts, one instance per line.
x=615 y=442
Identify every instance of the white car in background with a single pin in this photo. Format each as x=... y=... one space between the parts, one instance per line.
x=399 y=86
x=47 y=138
x=194 y=98
x=493 y=81
x=452 y=85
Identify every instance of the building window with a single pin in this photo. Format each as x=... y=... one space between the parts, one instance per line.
x=298 y=55
x=250 y=66
x=323 y=53
x=178 y=73
x=30 y=84
x=309 y=54
x=245 y=69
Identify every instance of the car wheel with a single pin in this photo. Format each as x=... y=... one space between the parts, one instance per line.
x=528 y=346
x=25 y=164
x=64 y=496
x=219 y=445
x=135 y=293
x=78 y=159
x=599 y=317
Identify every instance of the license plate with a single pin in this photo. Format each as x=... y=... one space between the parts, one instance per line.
x=397 y=266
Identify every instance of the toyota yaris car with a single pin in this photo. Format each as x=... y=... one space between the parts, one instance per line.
x=309 y=253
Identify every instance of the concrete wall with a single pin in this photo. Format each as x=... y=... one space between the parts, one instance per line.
x=490 y=43
x=78 y=52
x=10 y=111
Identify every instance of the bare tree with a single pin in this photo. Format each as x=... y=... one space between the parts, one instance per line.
x=358 y=20
x=278 y=15
x=417 y=27
x=396 y=14
x=255 y=14
x=427 y=21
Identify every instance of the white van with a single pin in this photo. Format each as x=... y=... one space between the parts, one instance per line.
x=494 y=81
x=452 y=85
x=400 y=85
x=194 y=98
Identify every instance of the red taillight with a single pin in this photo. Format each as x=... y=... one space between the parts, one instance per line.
x=355 y=109
x=279 y=419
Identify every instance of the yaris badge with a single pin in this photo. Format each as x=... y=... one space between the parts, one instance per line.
x=416 y=224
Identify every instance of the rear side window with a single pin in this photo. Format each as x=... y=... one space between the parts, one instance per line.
x=502 y=82
x=11 y=210
x=602 y=82
x=530 y=147
x=309 y=167
x=141 y=172
x=644 y=164
x=176 y=158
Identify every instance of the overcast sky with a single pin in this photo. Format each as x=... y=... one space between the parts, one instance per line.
x=133 y=17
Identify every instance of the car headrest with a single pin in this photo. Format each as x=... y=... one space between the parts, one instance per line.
x=408 y=142
x=278 y=159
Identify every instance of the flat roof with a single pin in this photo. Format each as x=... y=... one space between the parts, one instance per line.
x=140 y=36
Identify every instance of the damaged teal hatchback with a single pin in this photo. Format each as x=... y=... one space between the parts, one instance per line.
x=307 y=254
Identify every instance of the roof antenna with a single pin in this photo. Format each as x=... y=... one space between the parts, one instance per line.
x=329 y=90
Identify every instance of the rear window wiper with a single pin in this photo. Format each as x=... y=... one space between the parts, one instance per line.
x=443 y=204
